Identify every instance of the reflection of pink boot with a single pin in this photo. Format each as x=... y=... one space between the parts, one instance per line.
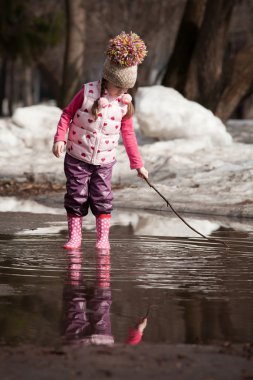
x=103 y=227
x=74 y=266
x=75 y=232
x=103 y=268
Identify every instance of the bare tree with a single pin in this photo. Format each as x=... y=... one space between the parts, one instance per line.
x=177 y=69
x=203 y=66
x=239 y=82
x=204 y=78
x=26 y=30
x=74 y=49
x=3 y=76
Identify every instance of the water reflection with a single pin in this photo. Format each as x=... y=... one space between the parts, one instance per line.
x=86 y=309
x=198 y=292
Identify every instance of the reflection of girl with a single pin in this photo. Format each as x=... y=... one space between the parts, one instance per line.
x=86 y=312
x=95 y=117
x=135 y=334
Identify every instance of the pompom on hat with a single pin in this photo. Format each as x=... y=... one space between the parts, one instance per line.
x=124 y=53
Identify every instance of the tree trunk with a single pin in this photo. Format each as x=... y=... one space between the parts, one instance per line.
x=239 y=83
x=51 y=79
x=74 y=50
x=27 y=88
x=206 y=68
x=36 y=86
x=11 y=93
x=177 y=69
x=3 y=84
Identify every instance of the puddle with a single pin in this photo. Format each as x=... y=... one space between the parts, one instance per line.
x=195 y=291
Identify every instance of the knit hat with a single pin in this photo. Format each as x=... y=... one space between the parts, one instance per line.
x=124 y=53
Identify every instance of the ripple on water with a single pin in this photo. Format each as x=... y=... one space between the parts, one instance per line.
x=195 y=287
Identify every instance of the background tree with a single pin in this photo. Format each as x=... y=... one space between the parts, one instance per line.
x=204 y=79
x=200 y=47
x=177 y=69
x=201 y=66
x=238 y=82
x=25 y=31
x=73 y=67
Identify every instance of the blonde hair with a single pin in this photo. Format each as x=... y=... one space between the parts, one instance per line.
x=94 y=108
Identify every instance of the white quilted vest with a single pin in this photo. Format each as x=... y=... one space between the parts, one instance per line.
x=95 y=141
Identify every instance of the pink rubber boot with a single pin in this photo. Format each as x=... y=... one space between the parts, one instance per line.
x=103 y=227
x=75 y=232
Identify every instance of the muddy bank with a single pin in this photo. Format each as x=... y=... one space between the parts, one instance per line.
x=26 y=186
x=145 y=361
x=139 y=197
x=184 y=201
x=143 y=197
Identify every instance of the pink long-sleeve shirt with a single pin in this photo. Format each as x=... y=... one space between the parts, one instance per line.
x=134 y=337
x=127 y=131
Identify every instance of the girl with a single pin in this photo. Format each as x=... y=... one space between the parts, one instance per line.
x=94 y=119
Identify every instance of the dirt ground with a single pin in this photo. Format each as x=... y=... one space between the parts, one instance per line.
x=182 y=362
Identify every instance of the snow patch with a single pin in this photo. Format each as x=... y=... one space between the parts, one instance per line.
x=165 y=114
x=36 y=125
x=13 y=204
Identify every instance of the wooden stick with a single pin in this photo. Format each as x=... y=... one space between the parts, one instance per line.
x=183 y=220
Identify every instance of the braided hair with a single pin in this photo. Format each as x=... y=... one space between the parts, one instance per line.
x=94 y=108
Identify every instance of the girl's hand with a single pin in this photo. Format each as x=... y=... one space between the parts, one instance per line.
x=142 y=173
x=58 y=148
x=142 y=325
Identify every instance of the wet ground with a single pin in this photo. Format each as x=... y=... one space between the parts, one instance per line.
x=195 y=291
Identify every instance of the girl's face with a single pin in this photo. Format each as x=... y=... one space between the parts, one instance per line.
x=115 y=91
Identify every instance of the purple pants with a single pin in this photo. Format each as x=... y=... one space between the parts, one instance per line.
x=86 y=312
x=87 y=186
